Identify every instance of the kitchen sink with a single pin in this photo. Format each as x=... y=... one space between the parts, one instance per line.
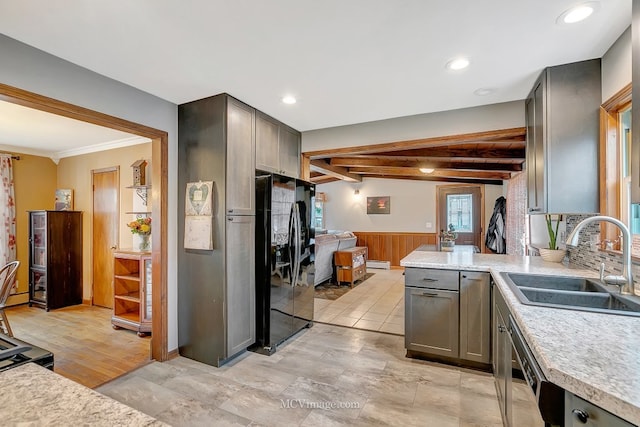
x=574 y=293
x=560 y=283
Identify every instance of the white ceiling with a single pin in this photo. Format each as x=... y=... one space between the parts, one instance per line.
x=347 y=61
x=30 y=131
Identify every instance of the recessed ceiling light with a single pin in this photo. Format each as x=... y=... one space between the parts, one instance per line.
x=578 y=13
x=289 y=99
x=484 y=91
x=457 y=64
x=426 y=170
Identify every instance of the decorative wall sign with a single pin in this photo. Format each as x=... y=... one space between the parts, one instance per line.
x=64 y=200
x=198 y=199
x=379 y=205
x=198 y=227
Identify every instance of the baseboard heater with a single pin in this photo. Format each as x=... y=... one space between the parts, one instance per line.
x=385 y=265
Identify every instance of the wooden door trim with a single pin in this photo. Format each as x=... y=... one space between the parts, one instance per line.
x=439 y=188
x=159 y=195
x=108 y=169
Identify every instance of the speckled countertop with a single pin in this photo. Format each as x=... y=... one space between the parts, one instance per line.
x=594 y=356
x=35 y=396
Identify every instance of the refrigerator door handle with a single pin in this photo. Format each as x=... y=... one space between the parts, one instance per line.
x=296 y=222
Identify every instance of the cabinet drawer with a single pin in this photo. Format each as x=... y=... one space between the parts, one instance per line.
x=431 y=278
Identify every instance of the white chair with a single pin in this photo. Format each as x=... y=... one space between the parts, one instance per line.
x=7 y=277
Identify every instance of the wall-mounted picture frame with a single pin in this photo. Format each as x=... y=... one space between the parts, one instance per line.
x=379 y=205
x=64 y=199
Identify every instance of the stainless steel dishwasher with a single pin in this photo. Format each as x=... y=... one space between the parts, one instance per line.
x=432 y=312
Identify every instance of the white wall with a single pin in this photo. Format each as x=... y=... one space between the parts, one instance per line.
x=413 y=205
x=616 y=66
x=34 y=70
x=467 y=120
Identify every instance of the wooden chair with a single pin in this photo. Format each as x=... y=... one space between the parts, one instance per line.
x=7 y=277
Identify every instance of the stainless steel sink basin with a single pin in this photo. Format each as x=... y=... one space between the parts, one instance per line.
x=574 y=293
x=561 y=283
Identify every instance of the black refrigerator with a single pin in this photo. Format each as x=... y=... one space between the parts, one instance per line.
x=284 y=259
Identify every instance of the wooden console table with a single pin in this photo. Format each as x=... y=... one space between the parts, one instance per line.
x=351 y=264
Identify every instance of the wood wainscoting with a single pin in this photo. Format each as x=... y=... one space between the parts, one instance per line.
x=392 y=246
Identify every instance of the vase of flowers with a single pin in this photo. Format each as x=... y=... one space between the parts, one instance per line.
x=448 y=239
x=142 y=227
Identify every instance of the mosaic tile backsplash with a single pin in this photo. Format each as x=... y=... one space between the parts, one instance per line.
x=583 y=256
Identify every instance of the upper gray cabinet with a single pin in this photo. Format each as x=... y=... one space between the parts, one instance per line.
x=240 y=158
x=562 y=114
x=277 y=146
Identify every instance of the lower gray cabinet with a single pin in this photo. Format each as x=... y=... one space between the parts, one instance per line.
x=240 y=307
x=579 y=412
x=448 y=314
x=475 y=317
x=431 y=321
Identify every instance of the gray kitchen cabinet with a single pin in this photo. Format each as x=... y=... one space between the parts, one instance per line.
x=240 y=300
x=277 y=147
x=502 y=356
x=562 y=115
x=431 y=321
x=216 y=296
x=240 y=159
x=475 y=317
x=579 y=412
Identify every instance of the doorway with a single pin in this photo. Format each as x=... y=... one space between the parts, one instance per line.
x=106 y=211
x=159 y=199
x=461 y=208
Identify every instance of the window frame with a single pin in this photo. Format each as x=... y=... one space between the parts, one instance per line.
x=611 y=163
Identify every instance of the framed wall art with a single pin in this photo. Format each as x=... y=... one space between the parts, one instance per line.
x=379 y=205
x=64 y=200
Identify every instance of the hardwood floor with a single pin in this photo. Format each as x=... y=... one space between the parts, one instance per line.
x=86 y=348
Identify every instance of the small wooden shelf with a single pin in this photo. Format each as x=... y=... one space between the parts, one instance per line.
x=351 y=264
x=139 y=186
x=132 y=291
x=138 y=213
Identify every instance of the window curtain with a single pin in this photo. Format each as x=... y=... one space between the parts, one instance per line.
x=7 y=211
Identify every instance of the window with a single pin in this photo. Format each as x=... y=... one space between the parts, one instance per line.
x=615 y=168
x=460 y=212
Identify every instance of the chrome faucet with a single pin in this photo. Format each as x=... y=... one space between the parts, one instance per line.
x=627 y=278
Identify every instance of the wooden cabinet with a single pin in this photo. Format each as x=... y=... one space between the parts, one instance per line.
x=55 y=258
x=502 y=356
x=562 y=115
x=216 y=295
x=579 y=412
x=277 y=147
x=447 y=315
x=351 y=264
x=431 y=321
x=240 y=159
x=132 y=291
x=475 y=317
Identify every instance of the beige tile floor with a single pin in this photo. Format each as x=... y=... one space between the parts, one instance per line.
x=377 y=304
x=325 y=376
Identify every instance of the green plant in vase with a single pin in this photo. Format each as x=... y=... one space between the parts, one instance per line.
x=552 y=253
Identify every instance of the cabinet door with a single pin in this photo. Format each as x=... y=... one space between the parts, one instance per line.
x=240 y=198
x=267 y=141
x=536 y=180
x=502 y=364
x=475 y=320
x=240 y=304
x=289 y=152
x=579 y=412
x=431 y=321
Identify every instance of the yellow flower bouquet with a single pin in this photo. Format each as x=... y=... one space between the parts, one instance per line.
x=140 y=226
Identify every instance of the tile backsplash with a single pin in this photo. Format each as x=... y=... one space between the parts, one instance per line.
x=583 y=256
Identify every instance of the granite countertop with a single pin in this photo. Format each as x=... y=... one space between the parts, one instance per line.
x=595 y=356
x=33 y=395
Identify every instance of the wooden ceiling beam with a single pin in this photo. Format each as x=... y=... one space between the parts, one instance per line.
x=336 y=171
x=488 y=137
x=417 y=163
x=323 y=179
x=441 y=179
x=482 y=153
x=391 y=171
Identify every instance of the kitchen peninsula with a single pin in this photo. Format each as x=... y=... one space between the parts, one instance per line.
x=592 y=355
